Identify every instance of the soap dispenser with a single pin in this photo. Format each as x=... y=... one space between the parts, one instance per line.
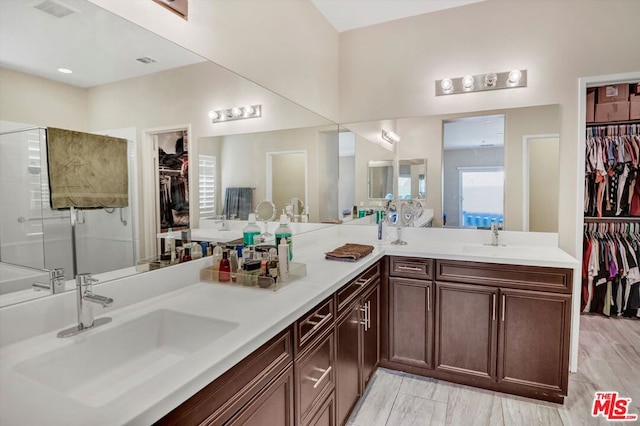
x=284 y=233
x=251 y=231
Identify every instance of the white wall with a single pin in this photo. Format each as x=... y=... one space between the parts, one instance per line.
x=286 y=46
x=557 y=42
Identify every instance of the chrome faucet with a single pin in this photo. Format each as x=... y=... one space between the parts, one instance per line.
x=85 y=300
x=494 y=233
x=56 y=282
x=224 y=224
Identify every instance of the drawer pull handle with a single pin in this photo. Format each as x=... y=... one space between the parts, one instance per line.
x=410 y=268
x=429 y=299
x=316 y=324
x=493 y=303
x=363 y=281
x=319 y=380
x=504 y=303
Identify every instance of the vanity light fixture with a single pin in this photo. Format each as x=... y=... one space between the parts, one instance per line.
x=389 y=136
x=481 y=82
x=235 y=113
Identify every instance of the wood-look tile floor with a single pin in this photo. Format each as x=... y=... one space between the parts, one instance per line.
x=609 y=360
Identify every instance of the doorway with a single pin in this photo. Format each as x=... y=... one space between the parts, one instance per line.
x=286 y=177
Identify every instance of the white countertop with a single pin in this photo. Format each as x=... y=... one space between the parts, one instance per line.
x=260 y=314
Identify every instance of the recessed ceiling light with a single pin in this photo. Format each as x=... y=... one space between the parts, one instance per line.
x=65 y=71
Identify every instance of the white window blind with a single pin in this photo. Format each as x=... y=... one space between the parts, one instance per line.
x=207 y=185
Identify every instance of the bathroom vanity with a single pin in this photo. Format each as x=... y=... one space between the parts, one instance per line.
x=497 y=318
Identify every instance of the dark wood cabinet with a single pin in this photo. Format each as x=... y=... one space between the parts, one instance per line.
x=348 y=361
x=411 y=322
x=357 y=347
x=315 y=375
x=533 y=348
x=370 y=334
x=325 y=415
x=466 y=329
x=272 y=406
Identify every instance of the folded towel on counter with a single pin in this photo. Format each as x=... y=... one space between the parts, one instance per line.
x=86 y=170
x=349 y=252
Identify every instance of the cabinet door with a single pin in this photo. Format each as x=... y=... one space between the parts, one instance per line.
x=534 y=339
x=466 y=330
x=314 y=375
x=371 y=333
x=325 y=415
x=348 y=360
x=411 y=322
x=273 y=406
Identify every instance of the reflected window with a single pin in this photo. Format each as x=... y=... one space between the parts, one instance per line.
x=207 y=185
x=481 y=196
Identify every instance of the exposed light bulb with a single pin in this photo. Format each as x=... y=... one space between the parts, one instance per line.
x=467 y=83
x=236 y=112
x=490 y=79
x=213 y=115
x=248 y=111
x=446 y=85
x=514 y=77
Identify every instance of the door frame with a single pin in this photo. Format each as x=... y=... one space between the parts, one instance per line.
x=148 y=151
x=269 y=182
x=526 y=141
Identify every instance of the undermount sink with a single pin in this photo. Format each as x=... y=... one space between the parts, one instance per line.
x=501 y=250
x=218 y=236
x=95 y=369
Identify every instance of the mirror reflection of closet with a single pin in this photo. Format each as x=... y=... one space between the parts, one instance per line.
x=173 y=180
x=473 y=171
x=380 y=176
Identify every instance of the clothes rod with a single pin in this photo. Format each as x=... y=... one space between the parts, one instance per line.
x=615 y=219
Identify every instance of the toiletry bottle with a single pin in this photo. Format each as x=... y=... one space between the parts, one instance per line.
x=263 y=264
x=217 y=257
x=187 y=254
x=240 y=255
x=354 y=212
x=205 y=249
x=284 y=232
x=196 y=251
x=233 y=261
x=171 y=248
x=283 y=258
x=224 y=275
x=251 y=231
x=272 y=265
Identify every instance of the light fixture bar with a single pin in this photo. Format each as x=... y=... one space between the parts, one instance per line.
x=481 y=82
x=389 y=136
x=235 y=113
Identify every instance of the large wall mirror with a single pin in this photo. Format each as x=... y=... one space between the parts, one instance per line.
x=130 y=83
x=482 y=166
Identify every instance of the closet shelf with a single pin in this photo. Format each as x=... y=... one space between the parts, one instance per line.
x=612 y=123
x=614 y=219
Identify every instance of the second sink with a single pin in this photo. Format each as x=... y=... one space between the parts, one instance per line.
x=97 y=368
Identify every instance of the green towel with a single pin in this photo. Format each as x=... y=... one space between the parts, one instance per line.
x=86 y=171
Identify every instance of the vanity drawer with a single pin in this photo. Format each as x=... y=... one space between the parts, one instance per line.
x=315 y=375
x=350 y=291
x=313 y=324
x=411 y=267
x=511 y=276
x=220 y=400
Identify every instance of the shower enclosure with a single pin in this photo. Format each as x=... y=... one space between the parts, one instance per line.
x=35 y=236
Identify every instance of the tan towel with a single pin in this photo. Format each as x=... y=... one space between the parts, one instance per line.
x=86 y=170
x=349 y=252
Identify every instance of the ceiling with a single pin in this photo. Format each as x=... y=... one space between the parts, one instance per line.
x=35 y=42
x=474 y=132
x=347 y=15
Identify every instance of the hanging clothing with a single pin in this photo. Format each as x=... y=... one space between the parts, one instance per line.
x=610 y=271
